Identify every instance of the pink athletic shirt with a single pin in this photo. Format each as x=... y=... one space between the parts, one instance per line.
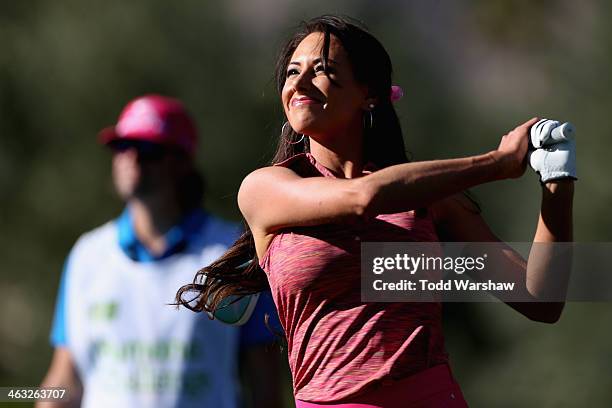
x=339 y=346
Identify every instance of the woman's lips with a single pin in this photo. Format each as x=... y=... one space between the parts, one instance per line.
x=304 y=101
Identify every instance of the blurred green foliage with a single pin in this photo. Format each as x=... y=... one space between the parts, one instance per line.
x=471 y=70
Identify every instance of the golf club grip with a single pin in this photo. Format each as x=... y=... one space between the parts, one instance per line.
x=561 y=133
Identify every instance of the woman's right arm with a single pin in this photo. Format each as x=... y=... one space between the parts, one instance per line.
x=272 y=198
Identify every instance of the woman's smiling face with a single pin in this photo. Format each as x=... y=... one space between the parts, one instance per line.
x=319 y=104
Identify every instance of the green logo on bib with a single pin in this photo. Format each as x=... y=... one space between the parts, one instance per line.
x=103 y=311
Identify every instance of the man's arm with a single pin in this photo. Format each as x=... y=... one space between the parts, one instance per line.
x=62 y=373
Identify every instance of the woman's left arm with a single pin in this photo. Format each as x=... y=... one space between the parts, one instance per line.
x=458 y=219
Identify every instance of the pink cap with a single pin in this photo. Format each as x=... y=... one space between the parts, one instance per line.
x=157 y=119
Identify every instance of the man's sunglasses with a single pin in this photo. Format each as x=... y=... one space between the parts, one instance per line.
x=146 y=150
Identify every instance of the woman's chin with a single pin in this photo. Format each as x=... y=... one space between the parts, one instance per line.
x=303 y=130
x=309 y=128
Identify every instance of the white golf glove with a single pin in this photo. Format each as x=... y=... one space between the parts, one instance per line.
x=547 y=132
x=554 y=156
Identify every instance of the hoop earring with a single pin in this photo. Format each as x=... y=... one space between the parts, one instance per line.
x=371 y=120
x=283 y=131
x=298 y=142
x=283 y=128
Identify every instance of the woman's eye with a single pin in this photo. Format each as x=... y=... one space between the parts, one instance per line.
x=319 y=68
x=292 y=71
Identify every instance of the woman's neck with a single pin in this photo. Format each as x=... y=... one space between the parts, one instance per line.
x=341 y=153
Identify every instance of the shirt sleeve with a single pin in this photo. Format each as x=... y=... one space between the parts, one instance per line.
x=58 y=335
x=255 y=332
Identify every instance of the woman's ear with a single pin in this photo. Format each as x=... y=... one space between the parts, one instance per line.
x=369 y=104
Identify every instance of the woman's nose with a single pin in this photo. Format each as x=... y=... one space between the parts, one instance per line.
x=303 y=81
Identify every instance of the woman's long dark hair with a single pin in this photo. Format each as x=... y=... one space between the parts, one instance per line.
x=237 y=272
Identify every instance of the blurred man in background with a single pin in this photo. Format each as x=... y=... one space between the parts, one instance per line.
x=117 y=341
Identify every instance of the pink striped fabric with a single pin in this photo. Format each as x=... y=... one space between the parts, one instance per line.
x=338 y=346
x=431 y=388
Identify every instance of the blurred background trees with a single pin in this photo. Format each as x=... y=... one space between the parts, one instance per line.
x=470 y=69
